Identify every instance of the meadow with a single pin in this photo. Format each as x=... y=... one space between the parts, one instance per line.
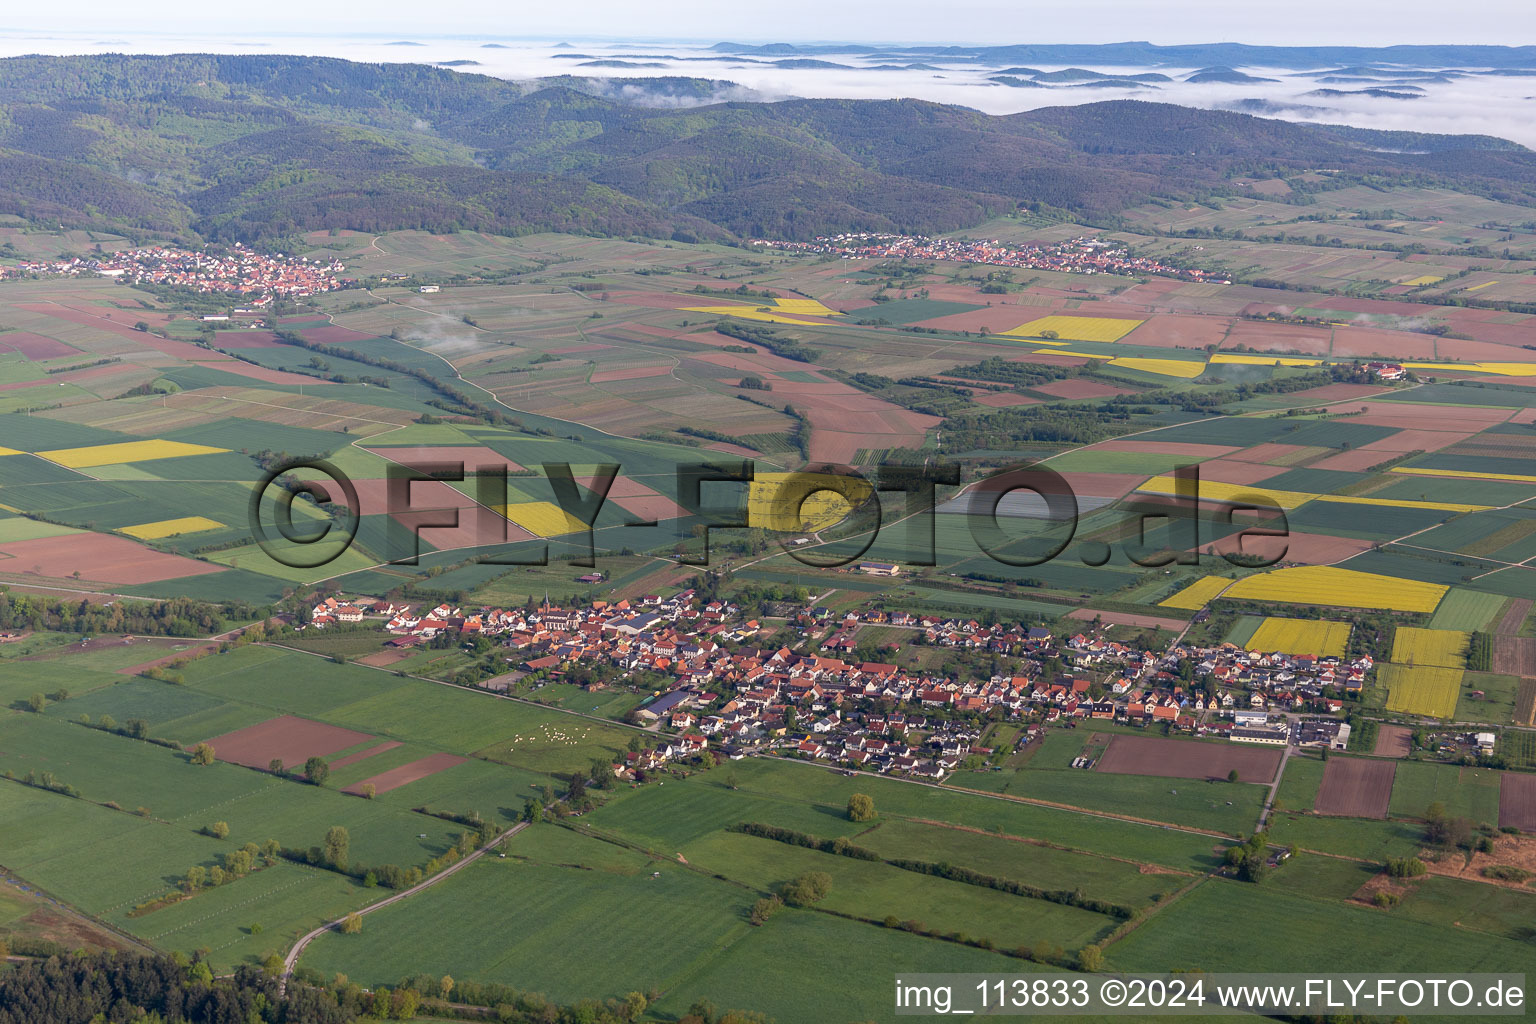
x=552 y=906
x=1215 y=924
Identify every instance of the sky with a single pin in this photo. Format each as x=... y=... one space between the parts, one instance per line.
x=1297 y=22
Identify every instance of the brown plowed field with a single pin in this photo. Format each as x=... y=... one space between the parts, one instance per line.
x=1514 y=615
x=1270 y=337
x=35 y=346
x=1411 y=440
x=1465 y=419
x=1393 y=741
x=1232 y=471
x=1302 y=548
x=1525 y=702
x=1517 y=801
x=1355 y=460
x=408 y=773
x=1514 y=655
x=1354 y=787
x=289 y=737
x=1373 y=341
x=1188 y=759
x=1271 y=453
x=1127 y=619
x=373 y=496
x=1335 y=393
x=99 y=558
x=1179 y=331
x=333 y=334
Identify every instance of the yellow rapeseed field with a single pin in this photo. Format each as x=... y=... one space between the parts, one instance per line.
x=1165 y=367
x=748 y=313
x=1500 y=369
x=774 y=497
x=773 y=311
x=1441 y=648
x=1197 y=595
x=1466 y=474
x=172 y=527
x=1301 y=636
x=805 y=307
x=542 y=518
x=1344 y=588
x=1424 y=690
x=125 y=451
x=1216 y=490
x=1246 y=360
x=1079 y=328
x=1419 y=282
x=10 y=451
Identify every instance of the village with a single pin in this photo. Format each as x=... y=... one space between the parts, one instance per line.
x=1083 y=255
x=817 y=700
x=236 y=271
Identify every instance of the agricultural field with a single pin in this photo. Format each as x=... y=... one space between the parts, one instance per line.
x=1409 y=527
x=1465 y=792
x=1355 y=787
x=1301 y=636
x=1425 y=690
x=1442 y=648
x=1326 y=585
x=1212 y=921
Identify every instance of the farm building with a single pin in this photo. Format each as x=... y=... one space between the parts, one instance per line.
x=1274 y=735
x=880 y=568
x=1323 y=732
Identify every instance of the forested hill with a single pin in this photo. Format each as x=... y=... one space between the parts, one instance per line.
x=250 y=147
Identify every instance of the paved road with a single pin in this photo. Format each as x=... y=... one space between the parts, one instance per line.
x=1274 y=787
x=298 y=949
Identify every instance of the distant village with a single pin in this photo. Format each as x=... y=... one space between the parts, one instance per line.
x=1078 y=255
x=725 y=693
x=238 y=271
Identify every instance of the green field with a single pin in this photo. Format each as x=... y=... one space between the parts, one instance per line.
x=1298 y=787
x=1468 y=610
x=67 y=843
x=1220 y=806
x=873 y=891
x=1100 y=877
x=1347 y=837
x=813 y=800
x=551 y=904
x=1213 y=927
x=1465 y=792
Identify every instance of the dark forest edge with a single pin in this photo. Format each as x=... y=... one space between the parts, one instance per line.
x=265 y=148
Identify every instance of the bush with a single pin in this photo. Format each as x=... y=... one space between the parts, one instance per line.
x=809 y=888
x=765 y=908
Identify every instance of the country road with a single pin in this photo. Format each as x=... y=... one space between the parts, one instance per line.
x=292 y=959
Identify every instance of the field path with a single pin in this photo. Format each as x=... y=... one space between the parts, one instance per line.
x=1274 y=787
x=292 y=959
